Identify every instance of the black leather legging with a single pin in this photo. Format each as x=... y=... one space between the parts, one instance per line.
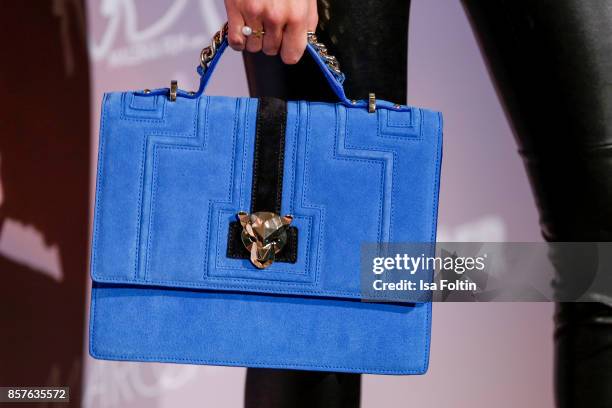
x=552 y=63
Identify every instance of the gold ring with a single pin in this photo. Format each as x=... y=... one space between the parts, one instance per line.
x=248 y=31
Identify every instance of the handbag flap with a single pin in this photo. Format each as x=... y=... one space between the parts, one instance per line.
x=173 y=175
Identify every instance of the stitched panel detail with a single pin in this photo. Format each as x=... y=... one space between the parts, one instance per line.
x=400 y=125
x=399 y=119
x=143 y=103
x=135 y=110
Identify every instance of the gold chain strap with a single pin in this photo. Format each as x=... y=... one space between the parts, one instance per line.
x=209 y=52
x=331 y=61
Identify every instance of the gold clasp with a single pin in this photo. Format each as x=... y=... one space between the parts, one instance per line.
x=330 y=60
x=264 y=234
x=208 y=53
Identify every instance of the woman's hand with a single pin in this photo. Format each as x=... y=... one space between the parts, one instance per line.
x=285 y=23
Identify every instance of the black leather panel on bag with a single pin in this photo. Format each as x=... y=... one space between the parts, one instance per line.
x=268 y=160
x=267 y=184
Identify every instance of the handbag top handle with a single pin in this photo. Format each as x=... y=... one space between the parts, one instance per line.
x=328 y=64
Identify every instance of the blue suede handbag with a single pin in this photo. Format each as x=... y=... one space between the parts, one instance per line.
x=227 y=231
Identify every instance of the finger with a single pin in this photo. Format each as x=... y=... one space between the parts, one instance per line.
x=235 y=22
x=254 y=42
x=294 y=41
x=313 y=16
x=252 y=12
x=273 y=26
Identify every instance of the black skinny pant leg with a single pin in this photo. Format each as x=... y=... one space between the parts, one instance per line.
x=552 y=63
x=269 y=388
x=369 y=38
